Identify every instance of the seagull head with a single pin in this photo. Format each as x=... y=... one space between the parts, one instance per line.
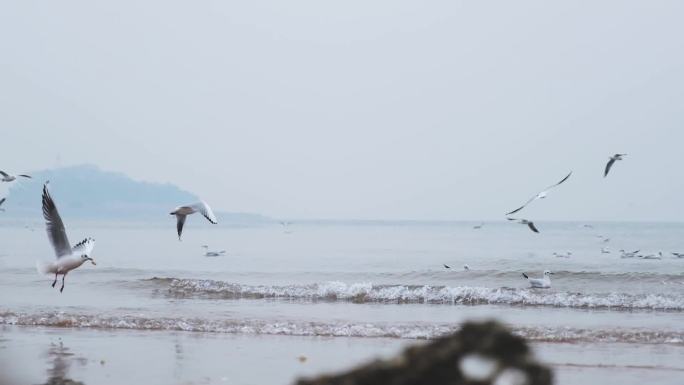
x=547 y=273
x=85 y=257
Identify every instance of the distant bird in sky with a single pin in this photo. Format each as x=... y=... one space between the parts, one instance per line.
x=477 y=227
x=1 y=202
x=182 y=212
x=540 y=195
x=529 y=224
x=68 y=258
x=210 y=253
x=610 y=163
x=542 y=283
x=9 y=178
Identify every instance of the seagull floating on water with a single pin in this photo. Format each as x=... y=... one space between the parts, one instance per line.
x=540 y=195
x=182 y=212
x=9 y=178
x=209 y=253
x=605 y=250
x=566 y=255
x=678 y=255
x=543 y=283
x=68 y=258
x=625 y=254
x=652 y=256
x=610 y=163
x=477 y=227
x=529 y=224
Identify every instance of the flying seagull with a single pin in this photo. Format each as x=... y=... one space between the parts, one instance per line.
x=209 y=253
x=529 y=224
x=68 y=258
x=540 y=195
x=542 y=283
x=182 y=212
x=9 y=178
x=612 y=160
x=1 y=202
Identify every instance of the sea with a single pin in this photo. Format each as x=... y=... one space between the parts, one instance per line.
x=317 y=297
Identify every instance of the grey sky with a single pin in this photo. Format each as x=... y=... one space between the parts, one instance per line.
x=357 y=109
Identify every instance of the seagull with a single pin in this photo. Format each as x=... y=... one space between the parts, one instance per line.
x=626 y=254
x=477 y=227
x=68 y=258
x=543 y=283
x=529 y=224
x=466 y=267
x=9 y=178
x=286 y=227
x=678 y=255
x=541 y=195
x=566 y=255
x=181 y=212
x=209 y=253
x=1 y=202
x=612 y=160
x=652 y=256
x=446 y=266
x=605 y=250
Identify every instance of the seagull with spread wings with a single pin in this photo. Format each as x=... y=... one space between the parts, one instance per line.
x=181 y=212
x=9 y=178
x=68 y=258
x=610 y=163
x=540 y=195
x=529 y=224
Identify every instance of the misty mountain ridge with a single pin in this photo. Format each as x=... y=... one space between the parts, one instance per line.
x=87 y=192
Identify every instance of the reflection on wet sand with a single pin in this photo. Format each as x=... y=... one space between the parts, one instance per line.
x=61 y=360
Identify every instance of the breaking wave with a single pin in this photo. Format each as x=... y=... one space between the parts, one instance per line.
x=330 y=329
x=462 y=295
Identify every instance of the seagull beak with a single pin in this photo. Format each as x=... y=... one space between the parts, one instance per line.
x=92 y=261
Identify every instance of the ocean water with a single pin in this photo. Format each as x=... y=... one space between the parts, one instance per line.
x=357 y=280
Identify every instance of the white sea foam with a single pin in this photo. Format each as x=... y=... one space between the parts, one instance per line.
x=325 y=329
x=469 y=295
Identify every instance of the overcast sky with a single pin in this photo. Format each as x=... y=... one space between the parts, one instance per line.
x=357 y=109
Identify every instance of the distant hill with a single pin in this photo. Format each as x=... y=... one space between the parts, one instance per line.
x=87 y=192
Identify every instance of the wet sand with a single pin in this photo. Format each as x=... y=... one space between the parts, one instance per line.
x=41 y=355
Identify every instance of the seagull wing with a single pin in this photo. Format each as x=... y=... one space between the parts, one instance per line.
x=205 y=210
x=2 y=201
x=523 y=206
x=25 y=176
x=3 y=173
x=608 y=166
x=84 y=247
x=559 y=183
x=531 y=226
x=446 y=266
x=180 y=221
x=55 y=226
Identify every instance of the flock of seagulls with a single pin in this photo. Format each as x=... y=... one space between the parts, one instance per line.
x=71 y=257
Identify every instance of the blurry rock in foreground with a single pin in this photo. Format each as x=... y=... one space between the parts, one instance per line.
x=479 y=353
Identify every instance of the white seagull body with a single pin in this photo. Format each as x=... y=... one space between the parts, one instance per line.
x=209 y=253
x=542 y=283
x=540 y=195
x=68 y=258
x=181 y=212
x=529 y=224
x=625 y=254
x=9 y=178
x=610 y=163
